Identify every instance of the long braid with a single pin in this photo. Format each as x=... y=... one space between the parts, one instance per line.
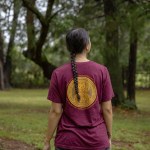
x=75 y=74
x=76 y=41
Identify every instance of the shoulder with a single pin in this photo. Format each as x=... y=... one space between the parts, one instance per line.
x=61 y=68
x=99 y=66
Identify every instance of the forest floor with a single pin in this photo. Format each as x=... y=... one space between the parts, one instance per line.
x=9 y=144
x=23 y=121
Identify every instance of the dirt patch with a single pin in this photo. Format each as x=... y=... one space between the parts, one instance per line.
x=9 y=144
x=147 y=133
x=125 y=144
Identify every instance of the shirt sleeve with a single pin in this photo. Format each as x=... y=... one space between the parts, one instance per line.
x=107 y=90
x=53 y=92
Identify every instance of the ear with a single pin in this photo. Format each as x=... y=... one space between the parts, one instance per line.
x=88 y=47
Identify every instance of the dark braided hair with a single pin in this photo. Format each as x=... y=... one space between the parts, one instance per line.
x=76 y=41
x=75 y=74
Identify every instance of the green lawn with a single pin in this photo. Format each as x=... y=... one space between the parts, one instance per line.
x=23 y=116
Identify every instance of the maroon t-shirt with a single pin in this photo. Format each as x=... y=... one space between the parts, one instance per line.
x=81 y=126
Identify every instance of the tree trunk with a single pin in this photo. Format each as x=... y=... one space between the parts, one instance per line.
x=111 y=54
x=1 y=76
x=132 y=66
x=1 y=62
x=8 y=63
x=31 y=34
x=35 y=45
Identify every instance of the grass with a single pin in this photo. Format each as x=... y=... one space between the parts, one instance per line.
x=23 y=116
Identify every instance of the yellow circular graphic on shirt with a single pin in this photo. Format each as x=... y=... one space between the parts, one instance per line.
x=87 y=92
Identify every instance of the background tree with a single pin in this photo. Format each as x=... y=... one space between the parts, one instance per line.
x=136 y=15
x=111 y=51
x=12 y=30
x=1 y=61
x=35 y=45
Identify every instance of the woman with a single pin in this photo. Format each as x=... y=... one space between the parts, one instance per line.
x=81 y=94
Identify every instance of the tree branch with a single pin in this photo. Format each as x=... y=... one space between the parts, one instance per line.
x=30 y=34
x=97 y=17
x=53 y=15
x=32 y=8
x=49 y=10
x=35 y=46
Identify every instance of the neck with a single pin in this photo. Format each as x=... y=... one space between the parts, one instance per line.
x=81 y=57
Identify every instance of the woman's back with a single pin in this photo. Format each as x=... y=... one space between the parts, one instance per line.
x=82 y=124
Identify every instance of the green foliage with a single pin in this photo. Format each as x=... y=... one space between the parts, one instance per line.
x=25 y=73
x=143 y=55
x=143 y=80
x=88 y=14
